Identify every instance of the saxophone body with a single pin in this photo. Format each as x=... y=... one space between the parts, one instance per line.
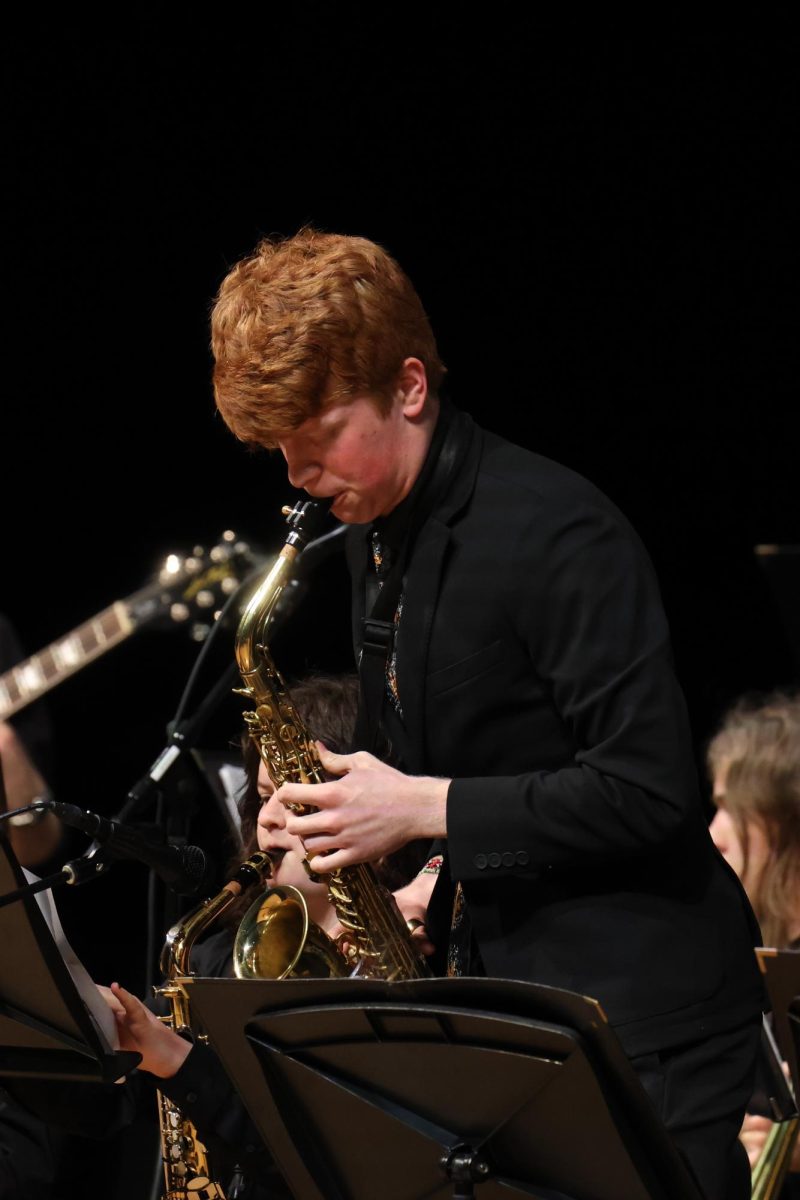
x=374 y=929
x=187 y=1171
x=773 y=1163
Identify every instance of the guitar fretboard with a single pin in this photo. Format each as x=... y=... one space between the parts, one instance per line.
x=36 y=675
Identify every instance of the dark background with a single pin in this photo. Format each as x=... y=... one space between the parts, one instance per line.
x=603 y=233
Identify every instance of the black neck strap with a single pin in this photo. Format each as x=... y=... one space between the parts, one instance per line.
x=448 y=446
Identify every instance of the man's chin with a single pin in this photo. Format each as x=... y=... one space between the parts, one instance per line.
x=350 y=509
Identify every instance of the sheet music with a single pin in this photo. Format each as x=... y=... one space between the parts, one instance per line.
x=234 y=782
x=98 y=1010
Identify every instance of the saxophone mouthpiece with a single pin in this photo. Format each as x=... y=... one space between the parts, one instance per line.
x=305 y=518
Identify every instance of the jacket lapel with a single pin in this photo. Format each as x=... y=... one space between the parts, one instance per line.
x=355 y=545
x=421 y=594
x=413 y=642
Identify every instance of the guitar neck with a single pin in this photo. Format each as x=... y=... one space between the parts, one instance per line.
x=29 y=680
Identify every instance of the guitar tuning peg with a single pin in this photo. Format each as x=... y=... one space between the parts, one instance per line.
x=198 y=551
x=228 y=536
x=179 y=612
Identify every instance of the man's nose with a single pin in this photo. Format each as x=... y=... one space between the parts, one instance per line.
x=301 y=471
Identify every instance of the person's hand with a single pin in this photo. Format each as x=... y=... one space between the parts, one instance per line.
x=162 y=1051
x=412 y=901
x=369 y=811
x=755 y=1131
x=753 y=1135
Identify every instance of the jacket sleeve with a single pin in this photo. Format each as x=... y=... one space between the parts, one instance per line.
x=587 y=611
x=204 y=1094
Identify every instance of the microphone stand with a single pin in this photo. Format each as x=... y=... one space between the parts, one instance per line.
x=79 y=870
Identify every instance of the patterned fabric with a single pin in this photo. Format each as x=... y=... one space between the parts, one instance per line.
x=382 y=564
x=386 y=542
x=460 y=946
x=460 y=951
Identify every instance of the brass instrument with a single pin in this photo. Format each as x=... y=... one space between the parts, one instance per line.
x=373 y=926
x=770 y=1171
x=277 y=939
x=187 y=1173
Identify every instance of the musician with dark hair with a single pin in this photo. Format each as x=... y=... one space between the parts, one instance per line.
x=191 y=1075
x=514 y=652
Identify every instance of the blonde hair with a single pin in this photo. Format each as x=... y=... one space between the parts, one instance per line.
x=311 y=320
x=759 y=744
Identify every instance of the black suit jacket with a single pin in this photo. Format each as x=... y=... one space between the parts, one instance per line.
x=534 y=668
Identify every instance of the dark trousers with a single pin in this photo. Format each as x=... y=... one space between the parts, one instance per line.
x=700 y=1091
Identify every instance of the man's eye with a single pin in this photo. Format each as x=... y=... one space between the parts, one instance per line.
x=330 y=432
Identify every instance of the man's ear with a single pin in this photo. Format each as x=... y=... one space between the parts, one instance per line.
x=412 y=386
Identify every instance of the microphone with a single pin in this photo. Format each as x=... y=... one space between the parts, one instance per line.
x=182 y=868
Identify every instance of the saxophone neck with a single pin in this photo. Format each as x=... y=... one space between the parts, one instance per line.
x=255 y=619
x=183 y=935
x=304 y=521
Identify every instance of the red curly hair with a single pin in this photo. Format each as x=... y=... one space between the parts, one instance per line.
x=309 y=320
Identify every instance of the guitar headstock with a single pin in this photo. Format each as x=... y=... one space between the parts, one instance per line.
x=191 y=589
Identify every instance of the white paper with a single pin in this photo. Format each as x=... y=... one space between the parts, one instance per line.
x=99 y=1011
x=234 y=782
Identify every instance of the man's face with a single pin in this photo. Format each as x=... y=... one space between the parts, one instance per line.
x=356 y=454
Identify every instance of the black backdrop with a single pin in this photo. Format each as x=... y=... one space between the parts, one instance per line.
x=601 y=232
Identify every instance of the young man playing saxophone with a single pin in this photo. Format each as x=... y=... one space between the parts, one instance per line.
x=524 y=680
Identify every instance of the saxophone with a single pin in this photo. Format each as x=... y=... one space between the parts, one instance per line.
x=374 y=929
x=773 y=1163
x=187 y=1173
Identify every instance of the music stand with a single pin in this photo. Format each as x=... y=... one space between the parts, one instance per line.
x=46 y=1029
x=781 y=970
x=439 y=1089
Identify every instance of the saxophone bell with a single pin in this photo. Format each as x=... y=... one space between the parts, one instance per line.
x=277 y=939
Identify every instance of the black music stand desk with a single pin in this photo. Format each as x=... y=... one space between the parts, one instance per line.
x=46 y=1030
x=439 y=1089
x=781 y=970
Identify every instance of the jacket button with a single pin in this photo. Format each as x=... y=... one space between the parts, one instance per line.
x=508 y=859
x=480 y=861
x=523 y=858
x=494 y=859
x=191 y=1097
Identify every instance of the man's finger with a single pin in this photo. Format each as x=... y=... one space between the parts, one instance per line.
x=315 y=794
x=313 y=825
x=323 y=864
x=337 y=764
